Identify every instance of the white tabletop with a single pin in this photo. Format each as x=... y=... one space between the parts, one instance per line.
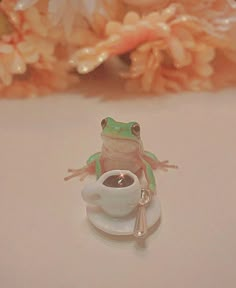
x=45 y=239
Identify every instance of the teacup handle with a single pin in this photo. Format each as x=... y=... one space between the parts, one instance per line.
x=91 y=194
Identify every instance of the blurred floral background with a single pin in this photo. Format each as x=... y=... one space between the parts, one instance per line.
x=155 y=46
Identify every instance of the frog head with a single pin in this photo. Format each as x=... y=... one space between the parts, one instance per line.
x=119 y=136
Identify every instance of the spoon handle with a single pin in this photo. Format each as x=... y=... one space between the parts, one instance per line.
x=140 y=228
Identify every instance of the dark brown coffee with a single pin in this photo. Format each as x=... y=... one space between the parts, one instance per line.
x=118 y=181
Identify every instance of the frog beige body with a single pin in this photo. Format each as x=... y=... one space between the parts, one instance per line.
x=121 y=154
x=122 y=149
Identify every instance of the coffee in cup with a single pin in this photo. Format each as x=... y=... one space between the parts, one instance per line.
x=116 y=192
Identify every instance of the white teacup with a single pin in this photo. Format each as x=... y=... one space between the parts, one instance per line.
x=117 y=192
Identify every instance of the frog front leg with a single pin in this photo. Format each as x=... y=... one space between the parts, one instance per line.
x=93 y=167
x=148 y=172
x=95 y=159
x=156 y=163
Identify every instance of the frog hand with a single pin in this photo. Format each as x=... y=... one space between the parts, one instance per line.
x=82 y=173
x=164 y=165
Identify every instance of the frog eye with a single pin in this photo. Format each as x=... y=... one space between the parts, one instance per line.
x=136 y=129
x=104 y=123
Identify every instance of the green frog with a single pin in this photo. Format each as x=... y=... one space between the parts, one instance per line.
x=122 y=149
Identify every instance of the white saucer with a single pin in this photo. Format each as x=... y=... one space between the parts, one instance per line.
x=123 y=225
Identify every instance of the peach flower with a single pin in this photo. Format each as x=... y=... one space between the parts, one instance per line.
x=29 y=44
x=169 y=49
x=35 y=82
x=167 y=45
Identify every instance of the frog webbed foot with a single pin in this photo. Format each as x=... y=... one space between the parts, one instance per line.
x=164 y=165
x=82 y=173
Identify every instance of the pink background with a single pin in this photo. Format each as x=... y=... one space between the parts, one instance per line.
x=45 y=239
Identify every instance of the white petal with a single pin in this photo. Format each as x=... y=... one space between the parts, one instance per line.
x=88 y=7
x=5 y=76
x=232 y=3
x=68 y=20
x=64 y=11
x=25 y=4
x=56 y=10
x=18 y=65
x=6 y=48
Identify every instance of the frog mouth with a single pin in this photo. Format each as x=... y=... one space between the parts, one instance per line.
x=120 y=138
x=120 y=145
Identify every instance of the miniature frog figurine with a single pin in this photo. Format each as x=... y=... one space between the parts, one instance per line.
x=122 y=149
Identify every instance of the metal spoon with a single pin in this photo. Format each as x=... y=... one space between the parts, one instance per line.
x=140 y=228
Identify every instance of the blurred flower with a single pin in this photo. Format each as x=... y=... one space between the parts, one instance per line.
x=37 y=82
x=59 y=11
x=167 y=45
x=171 y=66
x=30 y=44
x=169 y=50
x=25 y=44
